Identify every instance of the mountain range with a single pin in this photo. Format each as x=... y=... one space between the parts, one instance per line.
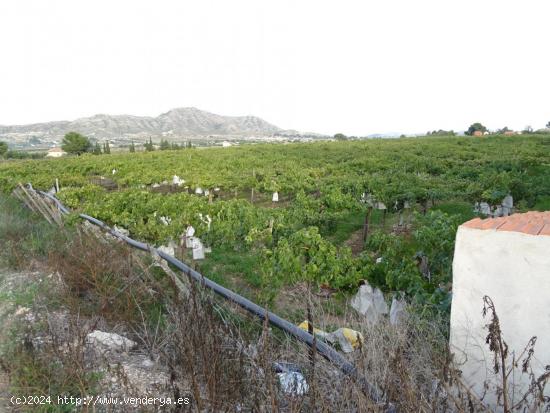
x=174 y=124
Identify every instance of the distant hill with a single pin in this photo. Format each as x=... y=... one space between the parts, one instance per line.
x=176 y=123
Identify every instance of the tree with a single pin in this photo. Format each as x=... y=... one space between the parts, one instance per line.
x=97 y=149
x=340 y=137
x=442 y=132
x=548 y=125
x=3 y=148
x=475 y=127
x=503 y=130
x=132 y=147
x=149 y=146
x=75 y=143
x=164 y=145
x=528 y=129
x=106 y=148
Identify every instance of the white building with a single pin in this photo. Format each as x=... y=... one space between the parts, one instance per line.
x=508 y=260
x=56 y=153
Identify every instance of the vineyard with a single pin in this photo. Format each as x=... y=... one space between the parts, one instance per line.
x=377 y=210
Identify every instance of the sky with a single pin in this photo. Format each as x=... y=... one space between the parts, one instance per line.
x=342 y=66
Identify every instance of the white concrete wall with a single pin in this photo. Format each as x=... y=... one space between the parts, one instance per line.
x=513 y=269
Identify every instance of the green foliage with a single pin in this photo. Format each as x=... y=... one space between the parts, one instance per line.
x=97 y=149
x=307 y=256
x=441 y=132
x=475 y=127
x=149 y=147
x=397 y=269
x=24 y=155
x=320 y=186
x=75 y=143
x=3 y=148
x=132 y=147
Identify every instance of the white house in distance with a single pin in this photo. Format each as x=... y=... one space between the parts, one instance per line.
x=56 y=153
x=507 y=259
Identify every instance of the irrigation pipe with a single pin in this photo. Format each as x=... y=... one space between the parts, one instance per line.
x=324 y=349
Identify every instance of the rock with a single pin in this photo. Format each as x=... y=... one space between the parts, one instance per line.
x=110 y=342
x=370 y=303
x=21 y=311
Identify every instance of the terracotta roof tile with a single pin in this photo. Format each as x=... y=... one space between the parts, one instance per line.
x=532 y=222
x=545 y=230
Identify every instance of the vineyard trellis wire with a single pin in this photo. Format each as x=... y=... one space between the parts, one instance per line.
x=327 y=351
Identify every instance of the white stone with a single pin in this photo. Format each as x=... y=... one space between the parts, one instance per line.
x=198 y=191
x=114 y=171
x=513 y=269
x=109 y=341
x=275 y=197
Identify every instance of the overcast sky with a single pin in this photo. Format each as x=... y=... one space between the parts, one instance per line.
x=356 y=67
